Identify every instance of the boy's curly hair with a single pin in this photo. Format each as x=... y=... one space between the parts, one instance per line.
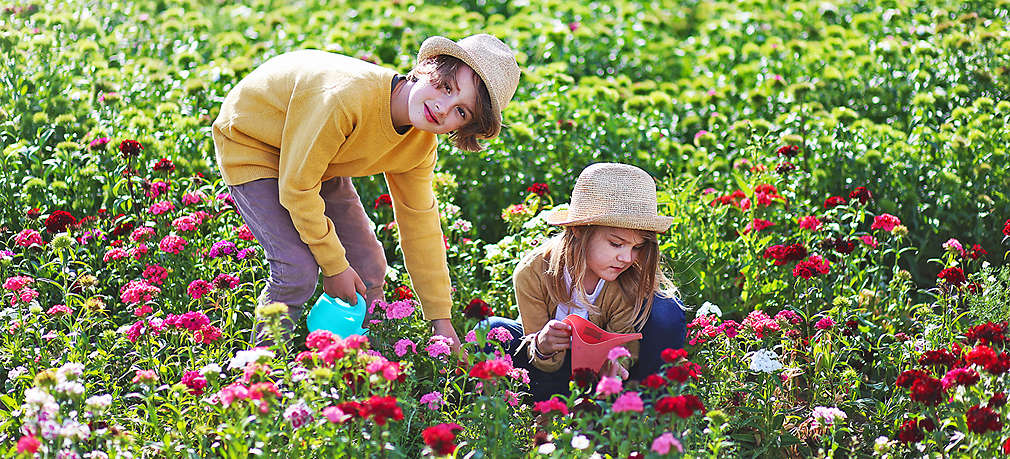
x=442 y=69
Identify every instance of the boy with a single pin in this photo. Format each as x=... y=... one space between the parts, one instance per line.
x=291 y=134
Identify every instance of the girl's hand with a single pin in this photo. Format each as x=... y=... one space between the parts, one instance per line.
x=556 y=336
x=614 y=370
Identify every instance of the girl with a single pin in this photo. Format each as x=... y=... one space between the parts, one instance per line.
x=604 y=266
x=291 y=134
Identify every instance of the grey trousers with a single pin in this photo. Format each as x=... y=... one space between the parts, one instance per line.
x=294 y=273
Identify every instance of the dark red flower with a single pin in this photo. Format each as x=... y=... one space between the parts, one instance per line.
x=997 y=400
x=33 y=213
x=977 y=252
x=477 y=309
x=862 y=194
x=383 y=201
x=681 y=405
x=987 y=333
x=351 y=408
x=585 y=377
x=1006 y=228
x=550 y=406
x=788 y=151
x=673 y=355
x=954 y=276
x=163 y=165
x=840 y=245
x=928 y=391
x=909 y=377
x=981 y=355
x=999 y=365
x=982 y=419
x=539 y=189
x=927 y=424
x=59 y=220
x=834 y=201
x=938 y=357
x=130 y=148
x=404 y=293
x=441 y=438
x=909 y=432
x=381 y=409
x=784 y=168
x=654 y=381
x=813 y=266
x=123 y=229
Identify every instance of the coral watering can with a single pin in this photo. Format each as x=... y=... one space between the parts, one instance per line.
x=337 y=316
x=590 y=344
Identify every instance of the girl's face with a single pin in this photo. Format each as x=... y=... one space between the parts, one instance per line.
x=443 y=109
x=611 y=251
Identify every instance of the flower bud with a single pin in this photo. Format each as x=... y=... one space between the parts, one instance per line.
x=271 y=310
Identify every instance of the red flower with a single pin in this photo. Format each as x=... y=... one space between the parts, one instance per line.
x=352 y=408
x=383 y=201
x=788 y=151
x=909 y=432
x=404 y=293
x=59 y=220
x=982 y=419
x=1000 y=365
x=381 y=409
x=654 y=381
x=130 y=148
x=682 y=405
x=757 y=224
x=441 y=438
x=954 y=276
x=862 y=194
x=977 y=252
x=981 y=355
x=550 y=406
x=783 y=254
x=784 y=168
x=28 y=444
x=928 y=391
x=477 y=309
x=909 y=377
x=927 y=424
x=813 y=266
x=163 y=165
x=834 y=201
x=673 y=355
x=490 y=369
x=1006 y=444
x=33 y=213
x=585 y=377
x=539 y=189
x=997 y=400
x=938 y=357
x=987 y=333
x=681 y=373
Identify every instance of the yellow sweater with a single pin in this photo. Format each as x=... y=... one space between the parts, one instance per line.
x=305 y=117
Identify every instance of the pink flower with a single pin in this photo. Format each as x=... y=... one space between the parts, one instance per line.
x=811 y=223
x=500 y=334
x=15 y=283
x=145 y=377
x=886 y=222
x=59 y=310
x=663 y=443
x=193 y=198
x=138 y=251
x=28 y=444
x=155 y=274
x=25 y=295
x=511 y=398
x=28 y=237
x=825 y=323
x=194 y=381
x=207 y=334
x=471 y=337
x=172 y=244
x=184 y=223
x=399 y=309
x=115 y=254
x=198 y=288
x=869 y=240
x=225 y=281
x=617 y=352
x=243 y=233
x=402 y=345
x=142 y=234
x=628 y=401
x=161 y=207
x=954 y=246
x=757 y=224
x=232 y=392
x=438 y=345
x=433 y=400
x=335 y=415
x=138 y=291
x=609 y=386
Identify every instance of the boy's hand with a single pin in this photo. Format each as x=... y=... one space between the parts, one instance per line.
x=444 y=327
x=344 y=285
x=556 y=336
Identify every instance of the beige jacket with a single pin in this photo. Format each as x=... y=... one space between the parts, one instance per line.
x=536 y=308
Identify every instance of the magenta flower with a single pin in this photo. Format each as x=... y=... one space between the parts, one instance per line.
x=28 y=238
x=59 y=310
x=198 y=288
x=869 y=240
x=438 y=345
x=399 y=309
x=433 y=400
x=886 y=222
x=335 y=415
x=810 y=223
x=500 y=334
x=628 y=401
x=825 y=323
x=16 y=283
x=161 y=207
x=193 y=198
x=402 y=346
x=172 y=244
x=609 y=386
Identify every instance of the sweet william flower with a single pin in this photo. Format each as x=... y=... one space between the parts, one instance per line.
x=28 y=444
x=477 y=309
x=810 y=223
x=130 y=148
x=551 y=405
x=834 y=201
x=981 y=419
x=886 y=222
x=628 y=401
x=441 y=438
x=28 y=237
x=58 y=221
x=665 y=442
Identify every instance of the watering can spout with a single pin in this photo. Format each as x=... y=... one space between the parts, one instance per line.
x=591 y=344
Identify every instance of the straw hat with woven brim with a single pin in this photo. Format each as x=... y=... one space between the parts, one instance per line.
x=491 y=59
x=611 y=194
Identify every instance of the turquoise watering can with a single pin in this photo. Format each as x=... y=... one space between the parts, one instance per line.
x=337 y=316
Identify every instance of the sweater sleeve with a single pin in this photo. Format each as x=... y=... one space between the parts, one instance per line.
x=416 y=213
x=534 y=311
x=309 y=140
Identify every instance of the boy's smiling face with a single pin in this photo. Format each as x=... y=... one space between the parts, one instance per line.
x=443 y=109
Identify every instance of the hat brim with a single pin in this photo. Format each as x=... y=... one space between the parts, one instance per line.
x=657 y=223
x=436 y=45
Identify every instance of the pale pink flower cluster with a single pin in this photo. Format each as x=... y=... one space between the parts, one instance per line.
x=138 y=251
x=954 y=246
x=663 y=443
x=827 y=416
x=617 y=352
x=500 y=334
x=438 y=346
x=115 y=254
x=379 y=365
x=193 y=198
x=399 y=309
x=161 y=207
x=184 y=223
x=433 y=400
x=28 y=237
x=628 y=401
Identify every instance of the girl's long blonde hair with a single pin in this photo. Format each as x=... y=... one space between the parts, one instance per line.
x=569 y=250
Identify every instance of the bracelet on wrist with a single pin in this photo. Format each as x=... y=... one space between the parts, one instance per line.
x=540 y=355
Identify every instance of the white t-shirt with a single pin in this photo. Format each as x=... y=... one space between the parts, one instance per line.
x=581 y=308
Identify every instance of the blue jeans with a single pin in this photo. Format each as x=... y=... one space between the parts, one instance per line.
x=665 y=328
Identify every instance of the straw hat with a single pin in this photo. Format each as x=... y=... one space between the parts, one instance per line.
x=491 y=59
x=612 y=194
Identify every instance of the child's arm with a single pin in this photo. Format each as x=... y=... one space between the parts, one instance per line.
x=543 y=334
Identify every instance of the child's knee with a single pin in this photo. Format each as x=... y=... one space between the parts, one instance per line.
x=292 y=284
x=668 y=315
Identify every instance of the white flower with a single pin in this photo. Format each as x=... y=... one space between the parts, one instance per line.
x=16 y=372
x=765 y=360
x=243 y=358
x=96 y=455
x=98 y=402
x=70 y=388
x=71 y=369
x=75 y=430
x=827 y=415
x=708 y=309
x=580 y=442
x=210 y=368
x=38 y=397
x=462 y=226
x=546 y=448
x=450 y=209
